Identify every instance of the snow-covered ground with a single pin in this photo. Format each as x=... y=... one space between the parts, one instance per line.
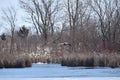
x=93 y=78
x=41 y=71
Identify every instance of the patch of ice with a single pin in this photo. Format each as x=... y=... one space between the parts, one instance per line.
x=93 y=78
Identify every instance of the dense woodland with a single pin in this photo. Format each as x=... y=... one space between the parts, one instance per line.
x=72 y=26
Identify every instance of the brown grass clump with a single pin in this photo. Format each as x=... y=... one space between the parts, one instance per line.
x=8 y=61
x=1 y=64
x=91 y=60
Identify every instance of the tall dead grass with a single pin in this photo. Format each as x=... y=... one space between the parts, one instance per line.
x=8 y=61
x=91 y=60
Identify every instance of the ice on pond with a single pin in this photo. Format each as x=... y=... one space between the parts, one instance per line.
x=43 y=70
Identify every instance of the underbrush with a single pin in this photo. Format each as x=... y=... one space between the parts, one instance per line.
x=66 y=59
x=91 y=60
x=8 y=61
x=51 y=59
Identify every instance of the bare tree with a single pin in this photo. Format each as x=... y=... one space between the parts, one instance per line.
x=10 y=16
x=106 y=10
x=96 y=6
x=76 y=11
x=116 y=26
x=43 y=16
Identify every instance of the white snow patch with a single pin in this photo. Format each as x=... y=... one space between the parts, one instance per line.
x=41 y=63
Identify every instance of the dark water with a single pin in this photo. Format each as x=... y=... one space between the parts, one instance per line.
x=56 y=70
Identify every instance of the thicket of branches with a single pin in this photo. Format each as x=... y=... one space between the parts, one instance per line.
x=89 y=25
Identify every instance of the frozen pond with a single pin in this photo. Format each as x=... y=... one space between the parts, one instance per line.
x=58 y=71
